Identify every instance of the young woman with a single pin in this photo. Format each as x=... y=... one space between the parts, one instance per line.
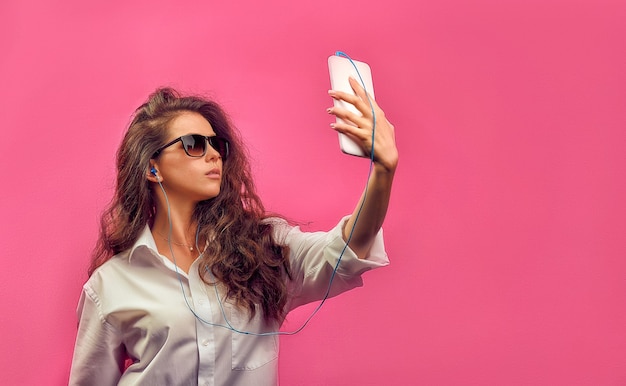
x=191 y=279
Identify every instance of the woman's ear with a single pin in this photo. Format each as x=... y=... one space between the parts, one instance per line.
x=153 y=173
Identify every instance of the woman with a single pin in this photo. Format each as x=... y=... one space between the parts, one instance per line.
x=191 y=279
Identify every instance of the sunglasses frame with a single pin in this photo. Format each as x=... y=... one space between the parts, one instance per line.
x=206 y=138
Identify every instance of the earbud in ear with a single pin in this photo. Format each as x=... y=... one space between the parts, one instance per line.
x=154 y=172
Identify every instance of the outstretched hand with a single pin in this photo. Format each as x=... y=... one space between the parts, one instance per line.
x=359 y=127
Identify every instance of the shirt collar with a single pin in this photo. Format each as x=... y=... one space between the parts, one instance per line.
x=145 y=240
x=145 y=248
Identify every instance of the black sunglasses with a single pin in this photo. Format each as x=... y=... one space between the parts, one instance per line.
x=195 y=145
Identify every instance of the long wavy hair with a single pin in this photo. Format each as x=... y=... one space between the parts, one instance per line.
x=242 y=255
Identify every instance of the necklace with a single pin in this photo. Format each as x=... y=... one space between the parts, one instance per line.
x=174 y=242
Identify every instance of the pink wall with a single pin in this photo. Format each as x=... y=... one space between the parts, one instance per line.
x=507 y=225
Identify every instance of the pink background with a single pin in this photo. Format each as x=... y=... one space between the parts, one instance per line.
x=507 y=226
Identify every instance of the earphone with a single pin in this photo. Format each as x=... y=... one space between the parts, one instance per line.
x=341 y=53
x=228 y=325
x=154 y=173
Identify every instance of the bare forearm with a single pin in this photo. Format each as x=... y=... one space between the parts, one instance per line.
x=370 y=124
x=372 y=211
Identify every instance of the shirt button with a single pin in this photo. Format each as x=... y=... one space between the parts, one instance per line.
x=205 y=342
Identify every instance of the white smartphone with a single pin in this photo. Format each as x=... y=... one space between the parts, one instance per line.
x=340 y=69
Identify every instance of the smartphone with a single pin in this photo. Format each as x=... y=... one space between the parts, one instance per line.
x=340 y=69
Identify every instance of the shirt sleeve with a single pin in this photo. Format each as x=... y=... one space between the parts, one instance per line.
x=98 y=353
x=313 y=257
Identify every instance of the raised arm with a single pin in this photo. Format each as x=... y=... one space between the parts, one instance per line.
x=359 y=127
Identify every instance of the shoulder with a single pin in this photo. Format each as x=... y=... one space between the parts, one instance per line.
x=280 y=228
x=108 y=272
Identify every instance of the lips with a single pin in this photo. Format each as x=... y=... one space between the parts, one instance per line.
x=214 y=173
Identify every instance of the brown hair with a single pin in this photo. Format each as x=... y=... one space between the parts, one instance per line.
x=243 y=254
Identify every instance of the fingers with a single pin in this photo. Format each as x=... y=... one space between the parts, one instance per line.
x=352 y=130
x=360 y=117
x=356 y=109
x=359 y=90
x=349 y=117
x=360 y=99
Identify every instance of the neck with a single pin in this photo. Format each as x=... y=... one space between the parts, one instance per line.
x=183 y=228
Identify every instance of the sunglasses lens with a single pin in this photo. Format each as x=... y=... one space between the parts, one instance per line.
x=195 y=145
x=219 y=144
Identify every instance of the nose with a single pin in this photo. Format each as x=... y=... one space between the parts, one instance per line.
x=211 y=153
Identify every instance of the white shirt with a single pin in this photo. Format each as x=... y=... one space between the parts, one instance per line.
x=133 y=305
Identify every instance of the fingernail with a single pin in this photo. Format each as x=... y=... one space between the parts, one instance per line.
x=329 y=110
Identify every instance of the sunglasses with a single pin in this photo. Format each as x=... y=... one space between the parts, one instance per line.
x=195 y=145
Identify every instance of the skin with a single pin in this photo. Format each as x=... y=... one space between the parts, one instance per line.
x=188 y=180
x=360 y=127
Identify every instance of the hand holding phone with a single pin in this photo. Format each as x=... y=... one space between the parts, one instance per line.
x=341 y=69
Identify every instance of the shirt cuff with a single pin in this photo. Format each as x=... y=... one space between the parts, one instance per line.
x=350 y=264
